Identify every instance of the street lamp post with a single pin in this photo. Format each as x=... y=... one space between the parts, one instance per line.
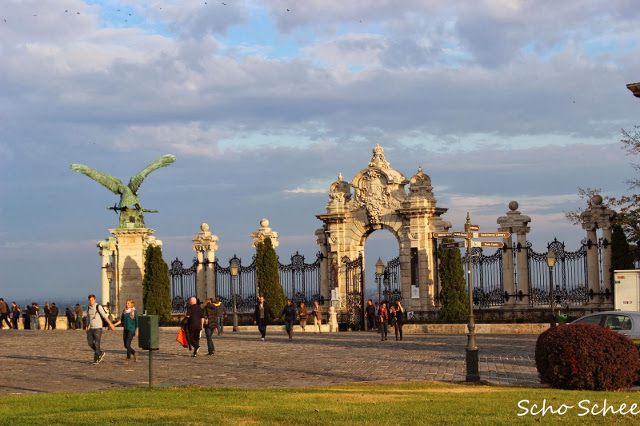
x=551 y=261
x=109 y=269
x=233 y=268
x=473 y=370
x=379 y=271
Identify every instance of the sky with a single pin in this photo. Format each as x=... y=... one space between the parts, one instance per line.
x=264 y=103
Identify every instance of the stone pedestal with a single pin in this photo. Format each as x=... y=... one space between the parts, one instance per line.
x=263 y=232
x=204 y=244
x=108 y=248
x=515 y=223
x=129 y=268
x=333 y=320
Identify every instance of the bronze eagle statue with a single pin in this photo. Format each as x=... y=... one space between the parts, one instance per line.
x=129 y=193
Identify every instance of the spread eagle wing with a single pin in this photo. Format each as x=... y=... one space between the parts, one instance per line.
x=113 y=184
x=136 y=181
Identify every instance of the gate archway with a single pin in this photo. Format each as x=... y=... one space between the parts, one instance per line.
x=376 y=198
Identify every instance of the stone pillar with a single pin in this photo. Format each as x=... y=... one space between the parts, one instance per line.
x=593 y=278
x=333 y=320
x=108 y=248
x=515 y=223
x=607 y=234
x=263 y=233
x=597 y=216
x=129 y=268
x=204 y=244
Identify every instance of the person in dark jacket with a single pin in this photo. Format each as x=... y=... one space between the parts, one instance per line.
x=15 y=314
x=289 y=314
x=53 y=316
x=221 y=314
x=195 y=318
x=210 y=320
x=263 y=315
x=370 y=313
x=71 y=319
x=399 y=320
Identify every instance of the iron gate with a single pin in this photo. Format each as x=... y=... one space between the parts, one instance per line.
x=245 y=285
x=569 y=275
x=391 y=279
x=183 y=284
x=354 y=275
x=488 y=287
x=301 y=281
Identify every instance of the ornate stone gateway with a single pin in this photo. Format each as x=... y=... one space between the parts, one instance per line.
x=376 y=199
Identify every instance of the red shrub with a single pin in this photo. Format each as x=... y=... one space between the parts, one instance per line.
x=584 y=356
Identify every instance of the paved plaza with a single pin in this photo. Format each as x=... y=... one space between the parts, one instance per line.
x=34 y=362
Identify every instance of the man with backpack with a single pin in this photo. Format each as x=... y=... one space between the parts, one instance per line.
x=95 y=315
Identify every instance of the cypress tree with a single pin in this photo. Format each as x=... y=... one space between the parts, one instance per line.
x=621 y=253
x=455 y=299
x=268 y=276
x=156 y=285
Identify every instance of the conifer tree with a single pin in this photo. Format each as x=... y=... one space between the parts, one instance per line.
x=621 y=253
x=455 y=298
x=268 y=276
x=156 y=285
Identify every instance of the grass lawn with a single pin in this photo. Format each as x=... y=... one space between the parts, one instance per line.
x=369 y=403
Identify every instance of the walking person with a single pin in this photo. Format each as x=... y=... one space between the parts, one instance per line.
x=195 y=318
x=317 y=317
x=262 y=315
x=129 y=321
x=383 y=315
x=399 y=319
x=53 y=316
x=210 y=321
x=79 y=316
x=303 y=314
x=370 y=313
x=4 y=314
x=15 y=315
x=95 y=315
x=47 y=316
x=221 y=314
x=289 y=315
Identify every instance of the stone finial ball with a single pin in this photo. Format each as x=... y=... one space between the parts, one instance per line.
x=597 y=200
x=204 y=227
x=513 y=206
x=264 y=223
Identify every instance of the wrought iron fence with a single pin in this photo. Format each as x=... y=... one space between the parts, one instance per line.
x=569 y=275
x=392 y=292
x=183 y=284
x=300 y=282
x=487 y=279
x=245 y=285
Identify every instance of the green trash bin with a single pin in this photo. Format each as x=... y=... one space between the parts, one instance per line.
x=562 y=319
x=148 y=332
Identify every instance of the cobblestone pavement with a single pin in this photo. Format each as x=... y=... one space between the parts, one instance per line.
x=34 y=362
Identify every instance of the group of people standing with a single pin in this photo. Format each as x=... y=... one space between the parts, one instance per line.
x=383 y=316
x=31 y=316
